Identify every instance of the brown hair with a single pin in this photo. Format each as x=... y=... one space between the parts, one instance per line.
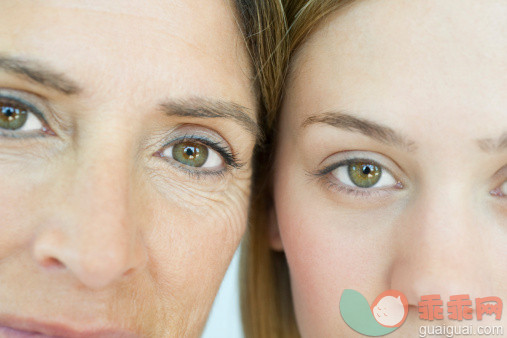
x=267 y=309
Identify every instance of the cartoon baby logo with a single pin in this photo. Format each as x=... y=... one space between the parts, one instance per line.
x=386 y=314
x=390 y=308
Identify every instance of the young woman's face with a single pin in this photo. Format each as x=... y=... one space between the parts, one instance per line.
x=391 y=166
x=126 y=133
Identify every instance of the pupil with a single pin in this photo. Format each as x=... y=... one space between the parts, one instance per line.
x=366 y=170
x=8 y=111
x=189 y=151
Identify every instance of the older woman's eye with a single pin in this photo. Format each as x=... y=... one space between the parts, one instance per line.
x=194 y=154
x=19 y=117
x=363 y=174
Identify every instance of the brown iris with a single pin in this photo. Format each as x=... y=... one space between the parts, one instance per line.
x=190 y=153
x=13 y=114
x=364 y=174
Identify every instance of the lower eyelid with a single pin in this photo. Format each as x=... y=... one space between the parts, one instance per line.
x=193 y=173
x=358 y=192
x=199 y=174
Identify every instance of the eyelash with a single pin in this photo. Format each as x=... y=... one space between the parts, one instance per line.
x=45 y=130
x=366 y=193
x=356 y=192
x=230 y=159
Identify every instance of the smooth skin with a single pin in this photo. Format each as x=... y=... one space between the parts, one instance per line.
x=101 y=227
x=417 y=88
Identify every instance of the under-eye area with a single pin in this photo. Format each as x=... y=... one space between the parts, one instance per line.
x=20 y=118
x=358 y=174
x=200 y=154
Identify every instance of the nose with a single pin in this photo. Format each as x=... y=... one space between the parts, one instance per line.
x=90 y=231
x=441 y=248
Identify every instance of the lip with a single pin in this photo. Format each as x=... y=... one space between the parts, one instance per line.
x=17 y=327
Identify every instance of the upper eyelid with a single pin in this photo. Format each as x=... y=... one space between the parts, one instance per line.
x=349 y=161
x=228 y=156
x=197 y=131
x=32 y=108
x=39 y=105
x=196 y=138
x=218 y=143
x=30 y=105
x=190 y=137
x=345 y=157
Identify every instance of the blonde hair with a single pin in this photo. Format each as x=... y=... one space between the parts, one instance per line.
x=266 y=300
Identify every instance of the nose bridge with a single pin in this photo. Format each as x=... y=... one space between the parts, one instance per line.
x=97 y=241
x=102 y=174
x=440 y=247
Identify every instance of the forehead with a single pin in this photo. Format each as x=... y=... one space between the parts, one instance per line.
x=178 y=42
x=408 y=61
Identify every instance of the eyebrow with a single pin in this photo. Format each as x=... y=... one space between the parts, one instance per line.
x=194 y=107
x=492 y=145
x=204 y=108
x=368 y=128
x=39 y=73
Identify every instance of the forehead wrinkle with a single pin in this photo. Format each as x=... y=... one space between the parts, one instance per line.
x=208 y=54
x=167 y=26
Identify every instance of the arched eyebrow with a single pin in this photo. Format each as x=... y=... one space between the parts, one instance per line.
x=368 y=128
x=37 y=72
x=197 y=107
x=493 y=145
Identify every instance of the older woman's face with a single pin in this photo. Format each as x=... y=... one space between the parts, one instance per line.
x=126 y=134
x=391 y=166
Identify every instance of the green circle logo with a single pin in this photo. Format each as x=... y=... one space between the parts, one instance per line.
x=387 y=313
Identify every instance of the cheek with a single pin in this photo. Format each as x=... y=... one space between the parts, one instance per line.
x=21 y=198
x=329 y=249
x=185 y=245
x=190 y=249
x=12 y=220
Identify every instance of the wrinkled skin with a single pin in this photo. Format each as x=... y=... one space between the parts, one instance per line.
x=101 y=227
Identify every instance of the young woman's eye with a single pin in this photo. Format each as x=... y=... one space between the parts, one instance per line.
x=363 y=174
x=501 y=191
x=194 y=154
x=16 y=116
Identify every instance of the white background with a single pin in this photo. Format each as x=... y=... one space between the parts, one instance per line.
x=225 y=317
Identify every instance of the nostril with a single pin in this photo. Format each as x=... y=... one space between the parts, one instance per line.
x=51 y=262
x=129 y=272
